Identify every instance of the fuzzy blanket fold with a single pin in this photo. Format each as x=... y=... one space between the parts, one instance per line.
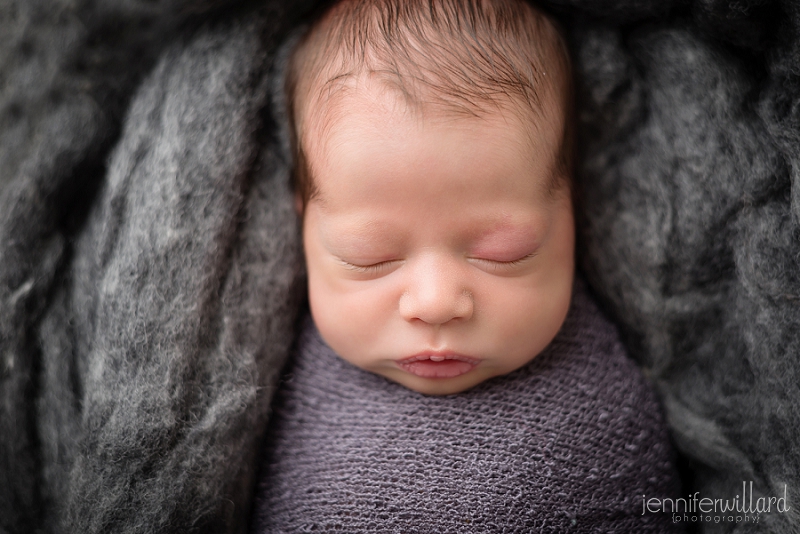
x=150 y=267
x=147 y=378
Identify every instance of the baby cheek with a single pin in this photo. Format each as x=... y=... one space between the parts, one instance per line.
x=515 y=310
x=525 y=318
x=349 y=316
x=326 y=309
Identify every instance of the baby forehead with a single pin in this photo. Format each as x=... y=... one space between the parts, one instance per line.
x=366 y=112
x=386 y=164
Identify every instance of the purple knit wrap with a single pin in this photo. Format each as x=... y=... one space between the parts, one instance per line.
x=569 y=443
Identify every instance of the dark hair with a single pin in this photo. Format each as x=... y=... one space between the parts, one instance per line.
x=465 y=56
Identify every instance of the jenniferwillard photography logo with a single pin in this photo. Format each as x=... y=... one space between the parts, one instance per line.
x=742 y=508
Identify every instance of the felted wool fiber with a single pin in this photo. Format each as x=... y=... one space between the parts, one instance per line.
x=690 y=233
x=150 y=259
x=568 y=443
x=144 y=314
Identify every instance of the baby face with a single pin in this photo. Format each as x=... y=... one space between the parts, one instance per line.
x=437 y=257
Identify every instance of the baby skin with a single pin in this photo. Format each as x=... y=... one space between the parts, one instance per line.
x=439 y=244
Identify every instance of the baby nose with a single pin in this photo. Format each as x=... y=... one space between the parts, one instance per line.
x=436 y=295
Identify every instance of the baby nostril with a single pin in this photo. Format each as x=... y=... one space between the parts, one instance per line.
x=437 y=311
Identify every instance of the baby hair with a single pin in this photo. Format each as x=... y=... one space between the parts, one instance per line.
x=464 y=57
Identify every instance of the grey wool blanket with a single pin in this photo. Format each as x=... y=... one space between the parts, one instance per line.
x=569 y=443
x=151 y=275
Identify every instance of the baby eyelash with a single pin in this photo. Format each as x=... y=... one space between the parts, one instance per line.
x=377 y=266
x=365 y=268
x=513 y=263
x=518 y=260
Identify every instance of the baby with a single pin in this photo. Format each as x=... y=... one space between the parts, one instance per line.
x=434 y=184
x=433 y=145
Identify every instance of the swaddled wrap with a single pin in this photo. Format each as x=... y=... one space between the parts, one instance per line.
x=571 y=442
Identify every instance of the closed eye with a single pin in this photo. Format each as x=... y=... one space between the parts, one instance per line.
x=496 y=265
x=370 y=268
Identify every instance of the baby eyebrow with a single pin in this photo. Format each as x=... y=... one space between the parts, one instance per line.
x=359 y=243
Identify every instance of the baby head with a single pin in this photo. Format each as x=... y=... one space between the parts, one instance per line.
x=433 y=163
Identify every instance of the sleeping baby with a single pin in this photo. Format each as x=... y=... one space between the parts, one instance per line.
x=454 y=374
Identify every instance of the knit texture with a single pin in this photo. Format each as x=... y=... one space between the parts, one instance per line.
x=569 y=443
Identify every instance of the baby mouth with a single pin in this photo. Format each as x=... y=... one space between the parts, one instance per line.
x=438 y=365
